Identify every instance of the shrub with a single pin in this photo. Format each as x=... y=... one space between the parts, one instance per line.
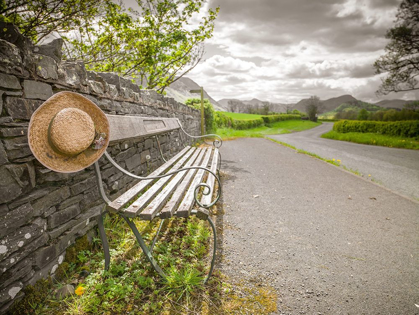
x=209 y=113
x=247 y=124
x=274 y=118
x=408 y=129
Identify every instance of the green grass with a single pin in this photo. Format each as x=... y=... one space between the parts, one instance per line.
x=240 y=116
x=374 y=139
x=131 y=286
x=280 y=127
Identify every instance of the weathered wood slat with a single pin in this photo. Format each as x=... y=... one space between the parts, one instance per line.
x=206 y=199
x=129 y=127
x=138 y=205
x=126 y=197
x=170 y=207
x=185 y=207
x=158 y=202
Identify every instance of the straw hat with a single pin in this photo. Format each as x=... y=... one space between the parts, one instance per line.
x=68 y=132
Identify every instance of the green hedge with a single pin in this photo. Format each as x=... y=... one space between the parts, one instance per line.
x=246 y=124
x=274 y=118
x=408 y=129
x=223 y=121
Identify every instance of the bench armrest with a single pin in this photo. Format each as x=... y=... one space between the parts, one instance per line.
x=217 y=143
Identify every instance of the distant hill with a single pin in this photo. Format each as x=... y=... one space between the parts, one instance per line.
x=179 y=90
x=399 y=104
x=327 y=105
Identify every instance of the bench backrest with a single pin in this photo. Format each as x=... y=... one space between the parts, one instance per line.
x=129 y=127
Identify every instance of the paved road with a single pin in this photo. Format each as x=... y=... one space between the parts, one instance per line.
x=330 y=242
x=396 y=169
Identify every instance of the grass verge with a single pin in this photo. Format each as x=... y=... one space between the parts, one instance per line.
x=131 y=286
x=279 y=127
x=373 y=139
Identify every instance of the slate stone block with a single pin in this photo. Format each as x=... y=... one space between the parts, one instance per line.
x=33 y=195
x=46 y=67
x=148 y=144
x=95 y=87
x=13 y=132
x=19 y=108
x=10 y=58
x=63 y=216
x=52 y=199
x=70 y=201
x=3 y=155
x=62 y=228
x=10 y=292
x=52 y=49
x=15 y=219
x=9 y=82
x=37 y=90
x=144 y=155
x=19 y=239
x=15 y=273
x=76 y=73
x=133 y=162
x=14 y=181
x=50 y=253
x=83 y=186
x=24 y=253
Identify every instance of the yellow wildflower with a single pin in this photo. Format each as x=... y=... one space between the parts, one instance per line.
x=333 y=160
x=339 y=161
x=79 y=290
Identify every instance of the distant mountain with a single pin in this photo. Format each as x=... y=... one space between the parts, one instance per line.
x=399 y=104
x=327 y=105
x=180 y=91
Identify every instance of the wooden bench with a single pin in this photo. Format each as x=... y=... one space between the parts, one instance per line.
x=188 y=179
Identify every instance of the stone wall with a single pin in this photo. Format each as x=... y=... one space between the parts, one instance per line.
x=42 y=212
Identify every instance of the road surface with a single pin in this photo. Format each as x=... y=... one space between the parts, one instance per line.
x=327 y=241
x=396 y=169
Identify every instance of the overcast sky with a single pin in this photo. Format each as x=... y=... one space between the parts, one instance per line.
x=286 y=50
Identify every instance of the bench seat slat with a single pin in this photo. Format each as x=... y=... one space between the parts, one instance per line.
x=176 y=198
x=206 y=199
x=157 y=204
x=126 y=197
x=138 y=205
x=185 y=207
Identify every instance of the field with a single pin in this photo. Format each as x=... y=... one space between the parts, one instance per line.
x=280 y=127
x=240 y=116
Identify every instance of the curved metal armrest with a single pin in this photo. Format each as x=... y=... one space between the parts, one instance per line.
x=217 y=143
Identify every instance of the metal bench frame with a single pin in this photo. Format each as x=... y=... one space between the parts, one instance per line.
x=201 y=212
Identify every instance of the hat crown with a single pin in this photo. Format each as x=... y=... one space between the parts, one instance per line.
x=72 y=131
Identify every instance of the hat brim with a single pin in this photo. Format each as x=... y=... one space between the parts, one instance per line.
x=38 y=135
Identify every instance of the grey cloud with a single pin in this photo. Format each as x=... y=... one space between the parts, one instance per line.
x=281 y=23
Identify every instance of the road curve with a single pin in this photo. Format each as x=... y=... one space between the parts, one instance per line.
x=396 y=169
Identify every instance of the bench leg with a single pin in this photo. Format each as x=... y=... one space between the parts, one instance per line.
x=104 y=240
x=214 y=233
x=203 y=214
x=144 y=246
x=157 y=235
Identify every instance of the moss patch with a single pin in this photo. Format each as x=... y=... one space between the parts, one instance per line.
x=34 y=296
